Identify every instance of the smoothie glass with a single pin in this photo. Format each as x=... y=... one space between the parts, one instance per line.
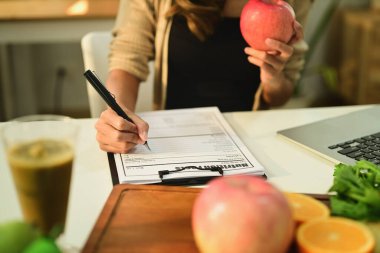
x=40 y=153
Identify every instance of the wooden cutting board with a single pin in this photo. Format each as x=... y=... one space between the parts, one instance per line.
x=145 y=218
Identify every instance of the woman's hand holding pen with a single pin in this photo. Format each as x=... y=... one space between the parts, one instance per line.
x=276 y=87
x=117 y=135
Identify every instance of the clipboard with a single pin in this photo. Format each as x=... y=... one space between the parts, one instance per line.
x=173 y=182
x=188 y=147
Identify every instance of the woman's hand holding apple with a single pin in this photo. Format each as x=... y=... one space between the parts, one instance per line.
x=271 y=62
x=270 y=28
x=276 y=88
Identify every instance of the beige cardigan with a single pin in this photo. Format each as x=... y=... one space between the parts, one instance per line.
x=141 y=34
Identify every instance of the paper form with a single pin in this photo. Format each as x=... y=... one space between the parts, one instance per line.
x=186 y=137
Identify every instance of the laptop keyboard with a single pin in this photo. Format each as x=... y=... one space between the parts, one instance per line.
x=364 y=148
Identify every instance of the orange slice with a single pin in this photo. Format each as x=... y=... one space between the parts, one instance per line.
x=306 y=208
x=334 y=235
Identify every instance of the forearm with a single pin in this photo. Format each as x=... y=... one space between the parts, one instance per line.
x=278 y=91
x=124 y=87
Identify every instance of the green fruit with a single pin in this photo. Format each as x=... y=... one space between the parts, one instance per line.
x=42 y=245
x=16 y=235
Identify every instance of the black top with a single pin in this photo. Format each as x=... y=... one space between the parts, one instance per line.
x=215 y=72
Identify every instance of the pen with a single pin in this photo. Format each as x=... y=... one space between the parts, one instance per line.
x=107 y=96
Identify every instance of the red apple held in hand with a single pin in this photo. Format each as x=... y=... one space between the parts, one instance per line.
x=242 y=214
x=262 y=19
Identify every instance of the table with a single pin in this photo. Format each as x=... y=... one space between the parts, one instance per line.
x=287 y=165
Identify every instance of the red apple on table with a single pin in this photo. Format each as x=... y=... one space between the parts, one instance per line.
x=262 y=19
x=242 y=214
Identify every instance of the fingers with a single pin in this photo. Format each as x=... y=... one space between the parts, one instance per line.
x=110 y=117
x=271 y=62
x=298 y=33
x=284 y=50
x=109 y=145
x=117 y=135
x=141 y=125
x=262 y=59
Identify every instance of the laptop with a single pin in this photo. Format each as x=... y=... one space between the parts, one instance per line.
x=344 y=139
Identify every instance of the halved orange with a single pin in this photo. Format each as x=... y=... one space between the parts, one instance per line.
x=334 y=235
x=305 y=207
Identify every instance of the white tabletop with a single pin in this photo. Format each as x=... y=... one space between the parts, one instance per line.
x=288 y=166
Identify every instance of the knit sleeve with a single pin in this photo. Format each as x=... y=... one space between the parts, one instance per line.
x=133 y=38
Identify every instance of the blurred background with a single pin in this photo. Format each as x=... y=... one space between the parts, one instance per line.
x=41 y=62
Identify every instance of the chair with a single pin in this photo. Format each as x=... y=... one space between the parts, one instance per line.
x=95 y=46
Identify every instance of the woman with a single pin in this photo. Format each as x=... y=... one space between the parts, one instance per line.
x=200 y=60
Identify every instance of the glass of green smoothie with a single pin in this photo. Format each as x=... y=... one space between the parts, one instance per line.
x=40 y=152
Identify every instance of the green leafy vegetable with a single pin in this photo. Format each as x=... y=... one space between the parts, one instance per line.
x=357 y=191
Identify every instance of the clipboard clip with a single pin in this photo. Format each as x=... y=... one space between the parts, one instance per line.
x=188 y=181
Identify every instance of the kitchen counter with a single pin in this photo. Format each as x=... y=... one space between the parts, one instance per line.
x=17 y=10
